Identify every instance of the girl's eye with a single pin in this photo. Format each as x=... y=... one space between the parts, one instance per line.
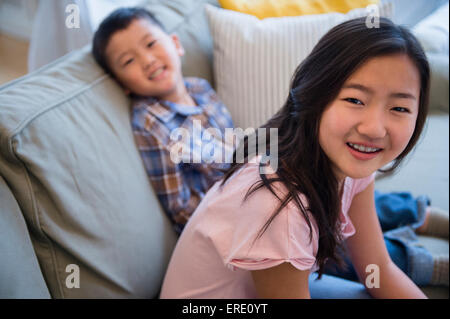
x=400 y=109
x=354 y=101
x=150 y=44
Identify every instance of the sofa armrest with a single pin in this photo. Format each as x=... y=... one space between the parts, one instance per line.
x=20 y=274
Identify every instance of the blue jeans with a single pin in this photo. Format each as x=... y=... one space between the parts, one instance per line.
x=331 y=287
x=399 y=215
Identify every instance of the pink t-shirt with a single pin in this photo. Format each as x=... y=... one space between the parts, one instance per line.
x=217 y=249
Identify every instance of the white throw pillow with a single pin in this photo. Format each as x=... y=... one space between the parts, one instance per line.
x=254 y=59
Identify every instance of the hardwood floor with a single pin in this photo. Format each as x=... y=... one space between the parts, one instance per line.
x=13 y=58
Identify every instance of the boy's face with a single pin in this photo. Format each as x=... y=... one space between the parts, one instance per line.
x=146 y=60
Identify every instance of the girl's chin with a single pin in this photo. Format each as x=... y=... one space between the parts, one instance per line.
x=361 y=174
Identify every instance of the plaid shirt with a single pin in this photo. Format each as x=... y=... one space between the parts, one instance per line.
x=180 y=186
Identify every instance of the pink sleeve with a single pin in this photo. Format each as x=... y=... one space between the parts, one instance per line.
x=285 y=240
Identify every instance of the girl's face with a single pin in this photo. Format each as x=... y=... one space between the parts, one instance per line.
x=373 y=117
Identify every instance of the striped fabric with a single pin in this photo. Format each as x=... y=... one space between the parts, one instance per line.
x=254 y=60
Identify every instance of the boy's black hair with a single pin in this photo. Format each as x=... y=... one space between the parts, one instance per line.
x=118 y=20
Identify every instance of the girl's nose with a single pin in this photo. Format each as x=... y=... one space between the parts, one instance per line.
x=373 y=123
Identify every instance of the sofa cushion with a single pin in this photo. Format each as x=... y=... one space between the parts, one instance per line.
x=433 y=31
x=439 y=81
x=409 y=13
x=68 y=155
x=20 y=275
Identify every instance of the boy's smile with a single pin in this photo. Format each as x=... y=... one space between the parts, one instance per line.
x=373 y=117
x=146 y=61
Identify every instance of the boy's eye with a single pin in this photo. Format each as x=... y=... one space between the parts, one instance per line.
x=128 y=62
x=400 y=109
x=354 y=101
x=150 y=44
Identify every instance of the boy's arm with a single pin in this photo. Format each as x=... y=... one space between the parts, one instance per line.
x=175 y=196
x=367 y=247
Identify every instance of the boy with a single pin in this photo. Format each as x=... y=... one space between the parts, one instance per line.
x=134 y=48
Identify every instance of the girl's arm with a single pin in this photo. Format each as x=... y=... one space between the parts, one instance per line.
x=367 y=247
x=283 y=281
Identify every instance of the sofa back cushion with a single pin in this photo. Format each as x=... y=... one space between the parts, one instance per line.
x=20 y=275
x=433 y=34
x=68 y=155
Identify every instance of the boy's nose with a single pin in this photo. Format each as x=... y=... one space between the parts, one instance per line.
x=147 y=61
x=373 y=123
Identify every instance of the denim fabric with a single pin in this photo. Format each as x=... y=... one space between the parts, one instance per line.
x=397 y=252
x=330 y=287
x=399 y=209
x=399 y=215
x=419 y=262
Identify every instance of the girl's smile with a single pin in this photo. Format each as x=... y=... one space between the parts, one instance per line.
x=373 y=117
x=361 y=152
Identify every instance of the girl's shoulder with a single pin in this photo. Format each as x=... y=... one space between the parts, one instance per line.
x=261 y=200
x=249 y=175
x=227 y=214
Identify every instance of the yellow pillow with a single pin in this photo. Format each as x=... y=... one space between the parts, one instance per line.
x=281 y=8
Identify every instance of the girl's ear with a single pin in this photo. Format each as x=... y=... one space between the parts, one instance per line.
x=178 y=46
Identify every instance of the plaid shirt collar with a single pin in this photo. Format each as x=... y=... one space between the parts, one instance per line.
x=166 y=110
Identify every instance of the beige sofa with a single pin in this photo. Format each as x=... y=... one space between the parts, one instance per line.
x=79 y=218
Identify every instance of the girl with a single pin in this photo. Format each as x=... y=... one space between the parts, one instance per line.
x=357 y=103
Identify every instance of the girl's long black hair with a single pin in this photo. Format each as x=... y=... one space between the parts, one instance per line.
x=303 y=167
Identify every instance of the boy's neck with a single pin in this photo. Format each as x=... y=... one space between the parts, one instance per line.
x=186 y=100
x=181 y=96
